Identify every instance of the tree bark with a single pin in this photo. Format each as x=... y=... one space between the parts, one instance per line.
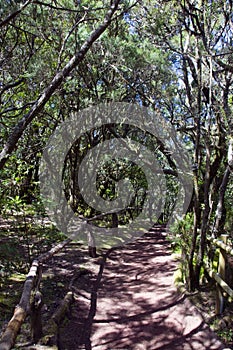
x=219 y=220
x=15 y=14
x=91 y=245
x=53 y=86
x=205 y=214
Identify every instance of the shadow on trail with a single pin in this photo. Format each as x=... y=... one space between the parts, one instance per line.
x=132 y=303
x=138 y=317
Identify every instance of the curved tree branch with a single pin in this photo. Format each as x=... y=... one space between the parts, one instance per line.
x=54 y=85
x=14 y=14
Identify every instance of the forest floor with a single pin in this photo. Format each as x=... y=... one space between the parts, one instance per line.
x=126 y=299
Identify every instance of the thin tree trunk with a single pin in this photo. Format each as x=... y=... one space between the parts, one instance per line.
x=205 y=216
x=15 y=14
x=114 y=220
x=219 y=221
x=196 y=214
x=91 y=245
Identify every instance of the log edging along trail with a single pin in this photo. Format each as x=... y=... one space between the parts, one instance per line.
x=22 y=310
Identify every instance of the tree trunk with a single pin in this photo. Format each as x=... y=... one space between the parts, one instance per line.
x=91 y=245
x=196 y=214
x=219 y=220
x=114 y=220
x=205 y=216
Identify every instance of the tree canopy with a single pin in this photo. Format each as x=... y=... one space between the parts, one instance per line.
x=61 y=56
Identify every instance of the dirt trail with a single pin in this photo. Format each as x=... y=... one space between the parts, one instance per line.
x=133 y=304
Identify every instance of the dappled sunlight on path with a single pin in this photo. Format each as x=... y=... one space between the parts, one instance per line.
x=133 y=303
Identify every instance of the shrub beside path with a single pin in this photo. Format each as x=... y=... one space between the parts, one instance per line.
x=133 y=304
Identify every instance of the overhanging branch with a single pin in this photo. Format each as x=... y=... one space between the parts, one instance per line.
x=54 y=85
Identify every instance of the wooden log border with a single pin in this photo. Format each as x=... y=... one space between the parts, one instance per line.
x=21 y=311
x=219 y=276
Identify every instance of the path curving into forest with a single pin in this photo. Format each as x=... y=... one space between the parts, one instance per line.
x=132 y=304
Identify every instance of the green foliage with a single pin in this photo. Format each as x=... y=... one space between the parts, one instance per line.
x=226 y=335
x=181 y=239
x=182 y=232
x=160 y=54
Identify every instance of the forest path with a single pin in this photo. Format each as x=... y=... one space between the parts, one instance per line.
x=132 y=303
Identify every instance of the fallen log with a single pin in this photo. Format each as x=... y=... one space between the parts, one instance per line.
x=8 y=338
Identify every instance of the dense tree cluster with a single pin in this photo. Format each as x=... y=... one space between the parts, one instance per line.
x=58 y=57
